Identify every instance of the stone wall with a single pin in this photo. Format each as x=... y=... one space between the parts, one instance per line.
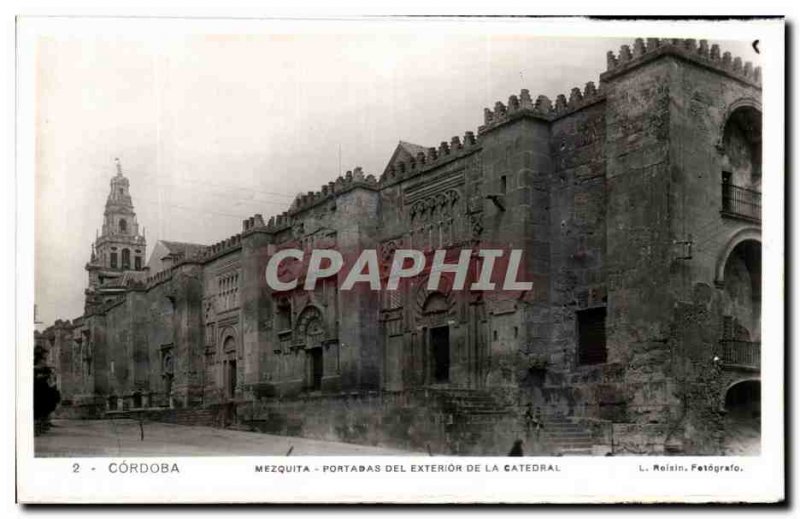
x=613 y=193
x=639 y=240
x=422 y=420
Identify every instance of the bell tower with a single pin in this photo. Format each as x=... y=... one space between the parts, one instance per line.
x=119 y=248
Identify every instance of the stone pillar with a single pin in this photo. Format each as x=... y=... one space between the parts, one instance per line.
x=639 y=245
x=188 y=336
x=361 y=352
x=257 y=311
x=517 y=175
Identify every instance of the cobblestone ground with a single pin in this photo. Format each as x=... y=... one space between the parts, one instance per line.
x=742 y=437
x=122 y=438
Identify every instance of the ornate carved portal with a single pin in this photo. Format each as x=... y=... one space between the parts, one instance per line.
x=434 y=313
x=229 y=367
x=310 y=330
x=447 y=345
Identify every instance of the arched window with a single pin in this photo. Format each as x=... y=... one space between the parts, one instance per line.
x=741 y=164
x=229 y=345
x=741 y=143
x=126 y=259
x=113 y=260
x=436 y=303
x=123 y=225
x=742 y=285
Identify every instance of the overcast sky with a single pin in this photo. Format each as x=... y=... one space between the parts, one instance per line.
x=213 y=129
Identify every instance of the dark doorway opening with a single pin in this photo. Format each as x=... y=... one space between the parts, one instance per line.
x=231 y=389
x=591 y=336
x=168 y=385
x=440 y=352
x=743 y=400
x=316 y=369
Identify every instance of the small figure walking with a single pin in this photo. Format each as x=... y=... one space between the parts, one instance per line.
x=533 y=421
x=529 y=417
x=516 y=450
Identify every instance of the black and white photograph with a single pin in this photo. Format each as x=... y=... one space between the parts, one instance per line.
x=342 y=246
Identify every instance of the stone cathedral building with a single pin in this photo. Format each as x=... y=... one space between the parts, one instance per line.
x=636 y=202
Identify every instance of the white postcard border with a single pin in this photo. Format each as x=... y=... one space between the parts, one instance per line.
x=234 y=479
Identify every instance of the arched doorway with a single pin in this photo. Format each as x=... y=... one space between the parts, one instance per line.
x=740 y=147
x=740 y=343
x=435 y=312
x=310 y=328
x=229 y=368
x=742 y=433
x=743 y=399
x=741 y=143
x=742 y=284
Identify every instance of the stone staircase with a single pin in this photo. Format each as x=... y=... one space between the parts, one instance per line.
x=472 y=421
x=469 y=405
x=566 y=437
x=476 y=417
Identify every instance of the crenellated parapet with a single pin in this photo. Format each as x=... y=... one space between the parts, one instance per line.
x=522 y=106
x=221 y=248
x=351 y=180
x=433 y=158
x=542 y=108
x=693 y=50
x=254 y=222
x=578 y=98
x=279 y=222
x=160 y=277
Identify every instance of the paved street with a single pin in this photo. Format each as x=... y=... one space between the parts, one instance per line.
x=121 y=438
x=742 y=436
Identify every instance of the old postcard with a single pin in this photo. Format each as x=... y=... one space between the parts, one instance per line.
x=400 y=260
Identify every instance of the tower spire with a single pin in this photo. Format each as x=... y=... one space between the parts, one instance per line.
x=119 y=247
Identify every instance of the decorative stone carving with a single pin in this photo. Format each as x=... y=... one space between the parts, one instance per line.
x=386 y=252
x=309 y=323
x=476 y=225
